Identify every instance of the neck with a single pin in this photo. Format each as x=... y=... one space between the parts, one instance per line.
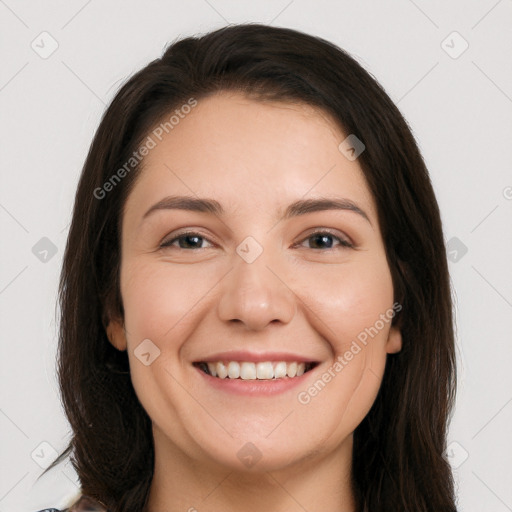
x=315 y=483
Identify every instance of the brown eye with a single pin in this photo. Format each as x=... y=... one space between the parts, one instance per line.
x=326 y=240
x=189 y=240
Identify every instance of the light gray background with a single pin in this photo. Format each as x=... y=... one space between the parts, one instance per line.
x=458 y=108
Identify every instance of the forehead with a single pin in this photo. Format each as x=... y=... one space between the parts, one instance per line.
x=250 y=154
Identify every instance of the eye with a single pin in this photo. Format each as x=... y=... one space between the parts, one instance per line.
x=325 y=240
x=321 y=239
x=188 y=240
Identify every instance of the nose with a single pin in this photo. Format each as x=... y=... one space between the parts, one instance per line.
x=255 y=295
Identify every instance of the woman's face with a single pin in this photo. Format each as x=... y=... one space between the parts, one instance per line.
x=265 y=274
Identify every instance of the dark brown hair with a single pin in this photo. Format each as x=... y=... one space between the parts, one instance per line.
x=398 y=456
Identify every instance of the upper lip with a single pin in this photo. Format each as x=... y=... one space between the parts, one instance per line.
x=256 y=357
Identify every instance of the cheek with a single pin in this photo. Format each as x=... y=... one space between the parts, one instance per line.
x=163 y=304
x=160 y=300
x=348 y=306
x=349 y=299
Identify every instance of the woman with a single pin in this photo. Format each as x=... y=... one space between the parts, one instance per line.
x=256 y=309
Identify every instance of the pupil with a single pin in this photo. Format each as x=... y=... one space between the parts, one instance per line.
x=323 y=239
x=190 y=240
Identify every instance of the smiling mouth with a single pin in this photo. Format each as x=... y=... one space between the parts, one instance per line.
x=245 y=370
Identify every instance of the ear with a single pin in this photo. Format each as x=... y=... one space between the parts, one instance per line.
x=116 y=334
x=394 y=342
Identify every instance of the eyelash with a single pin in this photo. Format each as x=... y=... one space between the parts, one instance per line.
x=342 y=242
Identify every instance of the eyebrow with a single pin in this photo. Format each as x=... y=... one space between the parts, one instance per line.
x=300 y=207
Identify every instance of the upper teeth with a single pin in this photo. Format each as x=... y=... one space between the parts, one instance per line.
x=250 y=371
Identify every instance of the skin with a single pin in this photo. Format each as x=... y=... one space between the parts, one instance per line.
x=254 y=158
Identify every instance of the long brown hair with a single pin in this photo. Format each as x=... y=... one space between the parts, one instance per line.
x=398 y=456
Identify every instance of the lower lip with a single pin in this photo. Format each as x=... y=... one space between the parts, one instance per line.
x=254 y=387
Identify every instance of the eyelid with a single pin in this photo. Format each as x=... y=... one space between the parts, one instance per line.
x=344 y=240
x=168 y=240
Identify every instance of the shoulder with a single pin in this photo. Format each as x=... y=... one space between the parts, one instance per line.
x=83 y=504
x=54 y=510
